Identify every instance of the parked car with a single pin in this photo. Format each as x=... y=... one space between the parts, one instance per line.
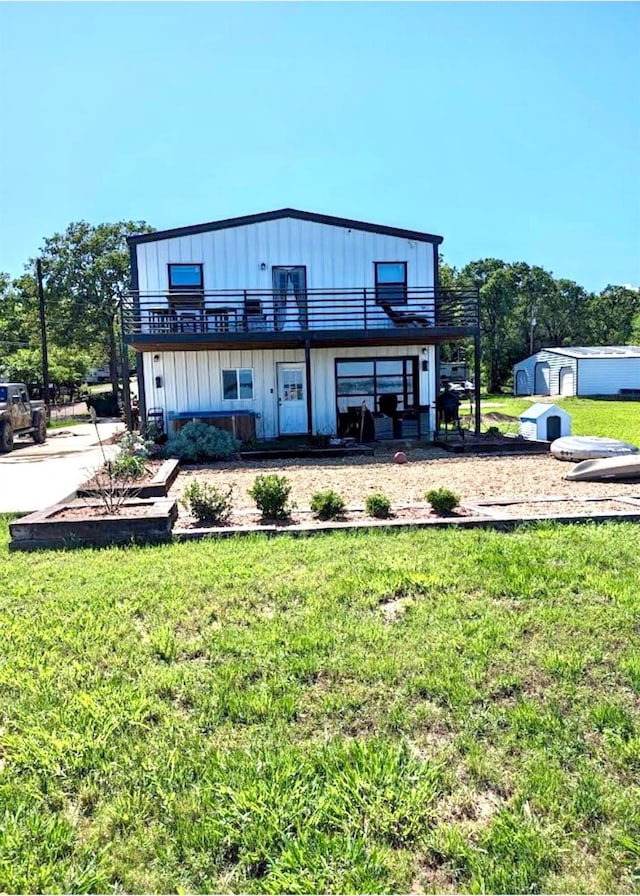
x=20 y=416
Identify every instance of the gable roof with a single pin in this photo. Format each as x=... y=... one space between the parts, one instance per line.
x=284 y=213
x=539 y=409
x=608 y=352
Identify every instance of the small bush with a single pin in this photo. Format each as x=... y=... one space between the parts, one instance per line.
x=129 y=466
x=200 y=441
x=207 y=503
x=442 y=500
x=378 y=505
x=327 y=505
x=271 y=494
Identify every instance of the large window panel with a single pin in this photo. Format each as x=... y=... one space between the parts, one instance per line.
x=388 y=377
x=355 y=368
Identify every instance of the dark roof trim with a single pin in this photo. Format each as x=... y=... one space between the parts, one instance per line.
x=283 y=213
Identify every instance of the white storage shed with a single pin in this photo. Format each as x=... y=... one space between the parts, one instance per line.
x=580 y=370
x=544 y=423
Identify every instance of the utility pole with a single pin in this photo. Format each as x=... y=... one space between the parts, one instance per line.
x=43 y=335
x=534 y=323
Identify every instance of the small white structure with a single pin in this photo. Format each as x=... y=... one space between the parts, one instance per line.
x=579 y=370
x=544 y=423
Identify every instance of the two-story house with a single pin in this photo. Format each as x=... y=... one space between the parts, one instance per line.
x=290 y=322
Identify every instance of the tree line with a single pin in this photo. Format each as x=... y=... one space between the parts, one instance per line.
x=87 y=274
x=525 y=308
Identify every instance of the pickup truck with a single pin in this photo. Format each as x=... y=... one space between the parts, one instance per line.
x=20 y=416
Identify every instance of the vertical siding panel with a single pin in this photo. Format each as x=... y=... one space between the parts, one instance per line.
x=334 y=257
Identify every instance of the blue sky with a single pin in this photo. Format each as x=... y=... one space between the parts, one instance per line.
x=511 y=129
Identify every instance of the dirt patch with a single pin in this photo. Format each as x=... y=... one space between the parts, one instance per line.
x=152 y=467
x=394 y=609
x=84 y=512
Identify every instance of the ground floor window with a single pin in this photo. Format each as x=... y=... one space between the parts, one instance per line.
x=386 y=385
x=237 y=383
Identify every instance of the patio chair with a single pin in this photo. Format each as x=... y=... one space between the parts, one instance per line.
x=448 y=411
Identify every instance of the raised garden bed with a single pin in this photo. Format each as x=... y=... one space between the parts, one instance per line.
x=80 y=524
x=156 y=484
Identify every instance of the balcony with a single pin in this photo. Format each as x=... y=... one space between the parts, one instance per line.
x=317 y=316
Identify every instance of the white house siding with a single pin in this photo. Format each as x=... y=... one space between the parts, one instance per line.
x=335 y=258
x=606 y=376
x=192 y=381
x=555 y=362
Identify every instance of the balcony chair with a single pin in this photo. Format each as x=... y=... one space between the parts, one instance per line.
x=405 y=318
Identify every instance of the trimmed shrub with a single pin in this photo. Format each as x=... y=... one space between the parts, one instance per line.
x=378 y=505
x=200 y=441
x=327 y=505
x=207 y=503
x=442 y=500
x=271 y=494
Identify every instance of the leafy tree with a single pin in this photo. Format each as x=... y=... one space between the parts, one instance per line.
x=611 y=315
x=535 y=293
x=497 y=284
x=17 y=318
x=87 y=274
x=65 y=365
x=447 y=274
x=563 y=319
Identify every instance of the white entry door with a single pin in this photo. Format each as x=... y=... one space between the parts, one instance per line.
x=292 y=399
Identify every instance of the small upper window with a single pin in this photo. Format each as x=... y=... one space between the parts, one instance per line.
x=185 y=277
x=391 y=281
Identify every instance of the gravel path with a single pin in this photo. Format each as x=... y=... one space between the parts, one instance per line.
x=473 y=478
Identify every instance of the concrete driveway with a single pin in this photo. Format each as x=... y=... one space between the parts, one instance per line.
x=34 y=476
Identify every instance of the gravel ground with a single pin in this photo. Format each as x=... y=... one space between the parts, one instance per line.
x=473 y=478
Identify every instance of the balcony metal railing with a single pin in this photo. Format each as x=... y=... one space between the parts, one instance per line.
x=314 y=310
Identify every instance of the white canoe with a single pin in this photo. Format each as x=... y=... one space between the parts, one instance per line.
x=576 y=448
x=627 y=467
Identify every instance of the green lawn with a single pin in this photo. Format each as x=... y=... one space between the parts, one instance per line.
x=590 y=417
x=451 y=711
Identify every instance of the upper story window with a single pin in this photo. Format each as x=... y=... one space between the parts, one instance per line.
x=185 y=277
x=391 y=281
